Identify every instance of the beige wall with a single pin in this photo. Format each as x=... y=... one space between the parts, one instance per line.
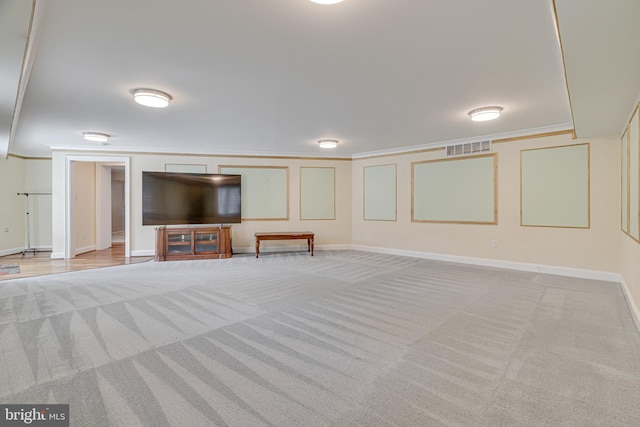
x=12 y=206
x=328 y=232
x=18 y=175
x=117 y=200
x=592 y=249
x=38 y=180
x=630 y=266
x=84 y=206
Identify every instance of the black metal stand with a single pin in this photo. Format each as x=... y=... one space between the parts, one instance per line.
x=29 y=248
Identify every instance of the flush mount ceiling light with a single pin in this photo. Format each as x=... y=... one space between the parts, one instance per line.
x=326 y=1
x=328 y=143
x=151 y=98
x=96 y=136
x=485 y=113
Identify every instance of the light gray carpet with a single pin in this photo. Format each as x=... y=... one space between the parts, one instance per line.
x=343 y=338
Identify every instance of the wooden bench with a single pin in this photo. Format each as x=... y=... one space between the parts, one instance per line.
x=285 y=235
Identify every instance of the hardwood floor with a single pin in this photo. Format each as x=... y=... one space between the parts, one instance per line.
x=40 y=263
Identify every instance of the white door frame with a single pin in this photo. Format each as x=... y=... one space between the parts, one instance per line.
x=69 y=250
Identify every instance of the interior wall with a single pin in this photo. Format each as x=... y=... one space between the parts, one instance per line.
x=595 y=248
x=103 y=206
x=117 y=200
x=38 y=180
x=630 y=266
x=12 y=206
x=328 y=232
x=58 y=204
x=629 y=248
x=84 y=206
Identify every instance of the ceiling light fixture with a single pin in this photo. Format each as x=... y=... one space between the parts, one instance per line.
x=328 y=143
x=96 y=136
x=485 y=113
x=151 y=98
x=326 y=1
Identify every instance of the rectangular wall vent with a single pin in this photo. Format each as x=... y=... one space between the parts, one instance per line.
x=468 y=148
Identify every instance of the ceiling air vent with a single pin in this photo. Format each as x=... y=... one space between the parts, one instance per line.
x=468 y=148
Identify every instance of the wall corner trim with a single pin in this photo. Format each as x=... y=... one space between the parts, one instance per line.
x=633 y=308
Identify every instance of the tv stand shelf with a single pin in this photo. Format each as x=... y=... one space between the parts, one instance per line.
x=193 y=243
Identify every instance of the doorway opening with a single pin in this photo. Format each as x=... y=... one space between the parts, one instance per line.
x=97 y=204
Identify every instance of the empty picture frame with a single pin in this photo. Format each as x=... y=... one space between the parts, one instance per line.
x=624 y=194
x=379 y=190
x=634 y=176
x=185 y=168
x=265 y=191
x=554 y=187
x=461 y=190
x=317 y=193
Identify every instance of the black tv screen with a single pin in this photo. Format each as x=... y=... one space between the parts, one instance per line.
x=170 y=198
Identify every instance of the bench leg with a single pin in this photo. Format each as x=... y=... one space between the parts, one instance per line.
x=311 y=244
x=257 y=247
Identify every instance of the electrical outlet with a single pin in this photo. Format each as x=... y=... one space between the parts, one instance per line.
x=494 y=243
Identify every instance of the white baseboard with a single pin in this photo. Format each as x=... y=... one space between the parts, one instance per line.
x=11 y=251
x=85 y=249
x=288 y=248
x=143 y=252
x=14 y=251
x=57 y=255
x=510 y=265
x=635 y=312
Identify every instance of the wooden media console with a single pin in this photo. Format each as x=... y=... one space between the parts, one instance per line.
x=193 y=243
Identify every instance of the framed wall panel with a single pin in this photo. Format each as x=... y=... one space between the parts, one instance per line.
x=379 y=189
x=554 y=187
x=634 y=176
x=460 y=190
x=624 y=194
x=265 y=191
x=317 y=193
x=185 y=168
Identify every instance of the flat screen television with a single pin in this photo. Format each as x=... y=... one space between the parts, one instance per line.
x=170 y=198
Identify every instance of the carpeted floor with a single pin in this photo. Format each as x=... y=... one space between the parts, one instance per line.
x=344 y=338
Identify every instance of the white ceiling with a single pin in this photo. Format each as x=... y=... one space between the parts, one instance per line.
x=274 y=76
x=14 y=31
x=601 y=42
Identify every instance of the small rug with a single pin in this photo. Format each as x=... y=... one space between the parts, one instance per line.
x=9 y=269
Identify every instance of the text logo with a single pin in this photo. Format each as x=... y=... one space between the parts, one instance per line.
x=34 y=415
